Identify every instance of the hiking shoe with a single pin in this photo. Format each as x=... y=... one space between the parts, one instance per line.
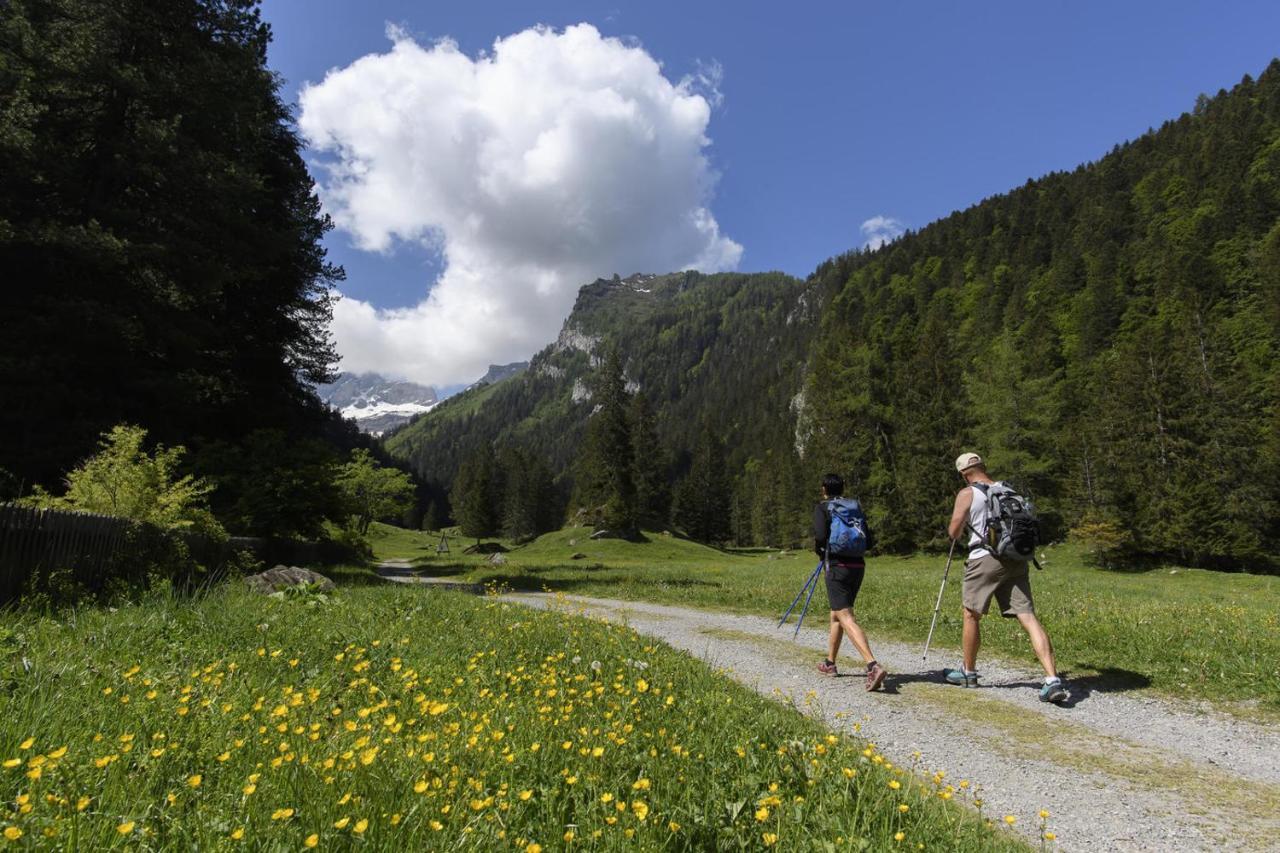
x=827 y=667
x=962 y=678
x=875 y=676
x=1055 y=691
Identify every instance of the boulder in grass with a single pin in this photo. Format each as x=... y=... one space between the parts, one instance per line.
x=284 y=577
x=578 y=556
x=496 y=560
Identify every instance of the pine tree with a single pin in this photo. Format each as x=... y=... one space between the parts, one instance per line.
x=475 y=498
x=605 y=469
x=653 y=490
x=703 y=499
x=159 y=233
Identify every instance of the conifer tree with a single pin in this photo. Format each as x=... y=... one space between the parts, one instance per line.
x=605 y=468
x=475 y=499
x=653 y=490
x=703 y=499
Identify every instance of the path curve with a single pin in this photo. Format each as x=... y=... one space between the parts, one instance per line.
x=1116 y=771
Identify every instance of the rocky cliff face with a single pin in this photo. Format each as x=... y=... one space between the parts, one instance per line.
x=499 y=372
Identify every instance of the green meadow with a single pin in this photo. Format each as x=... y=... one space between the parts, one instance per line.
x=408 y=719
x=1185 y=633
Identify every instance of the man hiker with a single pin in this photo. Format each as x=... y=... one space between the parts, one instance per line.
x=987 y=575
x=841 y=537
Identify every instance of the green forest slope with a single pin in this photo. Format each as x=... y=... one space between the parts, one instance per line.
x=1106 y=337
x=728 y=348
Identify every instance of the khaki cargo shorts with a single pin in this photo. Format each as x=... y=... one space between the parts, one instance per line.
x=1006 y=580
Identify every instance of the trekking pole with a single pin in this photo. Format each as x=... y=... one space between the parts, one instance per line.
x=937 y=607
x=799 y=595
x=813 y=584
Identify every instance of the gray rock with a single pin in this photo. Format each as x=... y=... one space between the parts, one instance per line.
x=600 y=534
x=578 y=556
x=282 y=577
x=496 y=560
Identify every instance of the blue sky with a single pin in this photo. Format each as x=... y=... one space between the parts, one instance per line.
x=834 y=113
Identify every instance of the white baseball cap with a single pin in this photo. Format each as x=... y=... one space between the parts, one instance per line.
x=965 y=461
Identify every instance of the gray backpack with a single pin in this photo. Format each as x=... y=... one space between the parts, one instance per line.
x=1012 y=529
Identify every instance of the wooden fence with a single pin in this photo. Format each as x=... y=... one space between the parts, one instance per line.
x=43 y=541
x=84 y=555
x=94 y=551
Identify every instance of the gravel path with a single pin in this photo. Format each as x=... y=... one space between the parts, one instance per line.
x=1116 y=770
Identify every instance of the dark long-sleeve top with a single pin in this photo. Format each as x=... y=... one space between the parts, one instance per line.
x=822 y=529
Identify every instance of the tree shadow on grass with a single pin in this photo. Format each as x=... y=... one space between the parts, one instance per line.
x=532 y=581
x=351 y=576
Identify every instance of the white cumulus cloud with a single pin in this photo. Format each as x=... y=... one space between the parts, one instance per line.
x=880 y=230
x=553 y=159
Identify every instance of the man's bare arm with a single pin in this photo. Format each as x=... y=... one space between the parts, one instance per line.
x=960 y=515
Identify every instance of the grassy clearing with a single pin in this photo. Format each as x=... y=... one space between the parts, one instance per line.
x=1186 y=633
x=413 y=719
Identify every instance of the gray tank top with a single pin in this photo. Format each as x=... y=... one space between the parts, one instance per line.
x=978 y=517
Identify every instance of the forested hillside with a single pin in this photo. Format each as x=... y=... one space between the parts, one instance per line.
x=728 y=350
x=1107 y=337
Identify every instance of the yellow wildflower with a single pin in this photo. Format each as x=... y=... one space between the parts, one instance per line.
x=282 y=814
x=125 y=828
x=27 y=744
x=361 y=825
x=12 y=833
x=237 y=833
x=533 y=848
x=341 y=823
x=311 y=841
x=640 y=809
x=194 y=780
x=1010 y=819
x=769 y=838
x=526 y=794
x=762 y=814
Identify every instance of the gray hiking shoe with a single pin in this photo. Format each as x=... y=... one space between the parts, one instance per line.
x=1055 y=691
x=962 y=678
x=875 y=676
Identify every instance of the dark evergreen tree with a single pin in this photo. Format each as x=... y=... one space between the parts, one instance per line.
x=703 y=500
x=475 y=498
x=605 y=472
x=160 y=238
x=652 y=467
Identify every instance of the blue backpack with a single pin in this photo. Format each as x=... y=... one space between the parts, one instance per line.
x=848 y=533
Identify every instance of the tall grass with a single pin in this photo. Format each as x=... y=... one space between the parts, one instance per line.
x=406 y=719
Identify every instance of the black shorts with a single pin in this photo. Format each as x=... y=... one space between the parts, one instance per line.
x=843 y=583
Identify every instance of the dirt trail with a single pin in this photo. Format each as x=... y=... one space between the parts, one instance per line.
x=1116 y=770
